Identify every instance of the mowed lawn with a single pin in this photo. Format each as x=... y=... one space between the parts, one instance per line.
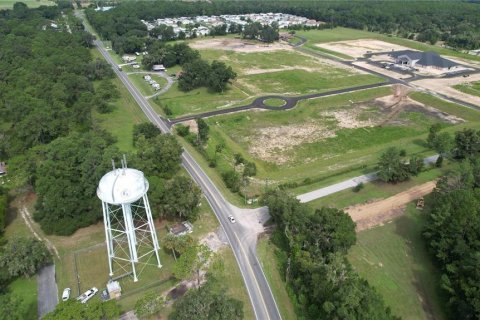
x=394 y=259
x=256 y=132
x=472 y=88
x=143 y=86
x=342 y=34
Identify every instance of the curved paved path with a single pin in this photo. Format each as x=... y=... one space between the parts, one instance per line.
x=290 y=102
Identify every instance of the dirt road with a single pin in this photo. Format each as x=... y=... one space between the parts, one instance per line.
x=371 y=214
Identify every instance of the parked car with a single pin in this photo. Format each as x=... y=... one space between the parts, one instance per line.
x=66 y=294
x=87 y=295
x=232 y=219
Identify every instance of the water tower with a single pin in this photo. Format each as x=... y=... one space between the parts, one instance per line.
x=130 y=234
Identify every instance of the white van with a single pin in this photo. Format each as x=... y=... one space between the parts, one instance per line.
x=87 y=295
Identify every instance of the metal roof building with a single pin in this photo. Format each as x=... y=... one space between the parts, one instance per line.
x=423 y=59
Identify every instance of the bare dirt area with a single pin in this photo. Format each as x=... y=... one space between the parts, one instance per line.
x=357 y=48
x=444 y=86
x=378 y=212
x=270 y=143
x=239 y=45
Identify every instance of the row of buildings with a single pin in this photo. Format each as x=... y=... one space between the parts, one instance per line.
x=201 y=25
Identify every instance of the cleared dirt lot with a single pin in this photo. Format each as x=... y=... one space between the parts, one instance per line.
x=374 y=213
x=239 y=45
x=357 y=48
x=444 y=86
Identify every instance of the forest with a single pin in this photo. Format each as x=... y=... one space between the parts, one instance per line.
x=455 y=23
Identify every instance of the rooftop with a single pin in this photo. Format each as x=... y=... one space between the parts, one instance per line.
x=428 y=58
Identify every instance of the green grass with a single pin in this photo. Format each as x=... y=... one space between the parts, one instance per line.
x=26 y=289
x=341 y=34
x=144 y=87
x=8 y=4
x=121 y=120
x=394 y=260
x=267 y=252
x=295 y=82
x=274 y=102
x=351 y=152
x=472 y=88
x=196 y=101
x=465 y=113
x=230 y=276
x=375 y=190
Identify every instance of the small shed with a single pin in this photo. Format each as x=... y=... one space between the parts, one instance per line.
x=114 y=289
x=181 y=229
x=147 y=78
x=158 y=67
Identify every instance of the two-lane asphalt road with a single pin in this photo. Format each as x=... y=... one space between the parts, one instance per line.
x=261 y=297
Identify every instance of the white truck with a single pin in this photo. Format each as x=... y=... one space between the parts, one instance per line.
x=87 y=295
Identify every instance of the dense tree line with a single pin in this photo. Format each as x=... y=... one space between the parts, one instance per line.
x=321 y=281
x=455 y=22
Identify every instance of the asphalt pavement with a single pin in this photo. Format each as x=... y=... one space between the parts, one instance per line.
x=47 y=291
x=261 y=297
x=347 y=184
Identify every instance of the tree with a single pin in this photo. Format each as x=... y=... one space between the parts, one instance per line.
x=3 y=210
x=203 y=130
x=178 y=244
x=392 y=167
x=250 y=169
x=24 y=257
x=180 y=198
x=67 y=178
x=205 y=303
x=159 y=155
x=94 y=310
x=149 y=305
x=220 y=75
x=191 y=262
x=146 y=129
x=269 y=34
x=232 y=180
x=467 y=143
x=252 y=30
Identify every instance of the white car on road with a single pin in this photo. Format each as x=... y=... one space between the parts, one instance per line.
x=66 y=294
x=87 y=295
x=232 y=219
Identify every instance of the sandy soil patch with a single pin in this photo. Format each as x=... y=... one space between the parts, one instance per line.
x=357 y=48
x=270 y=144
x=239 y=45
x=444 y=86
x=378 y=212
x=213 y=241
x=192 y=124
x=260 y=71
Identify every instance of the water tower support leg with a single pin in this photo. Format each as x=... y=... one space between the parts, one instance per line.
x=108 y=235
x=153 y=233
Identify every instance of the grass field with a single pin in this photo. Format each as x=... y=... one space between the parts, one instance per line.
x=8 y=4
x=26 y=289
x=472 y=88
x=285 y=72
x=394 y=260
x=267 y=254
x=274 y=102
x=254 y=133
x=376 y=190
x=341 y=34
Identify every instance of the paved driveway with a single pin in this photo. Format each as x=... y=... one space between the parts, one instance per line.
x=47 y=290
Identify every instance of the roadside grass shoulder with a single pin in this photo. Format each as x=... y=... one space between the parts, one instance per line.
x=269 y=256
x=395 y=261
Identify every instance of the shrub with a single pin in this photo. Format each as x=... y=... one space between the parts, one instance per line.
x=182 y=130
x=358 y=187
x=232 y=180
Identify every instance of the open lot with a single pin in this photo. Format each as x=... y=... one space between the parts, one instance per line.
x=280 y=71
x=471 y=88
x=329 y=135
x=237 y=44
x=357 y=48
x=394 y=259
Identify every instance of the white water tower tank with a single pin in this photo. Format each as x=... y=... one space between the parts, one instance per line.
x=129 y=229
